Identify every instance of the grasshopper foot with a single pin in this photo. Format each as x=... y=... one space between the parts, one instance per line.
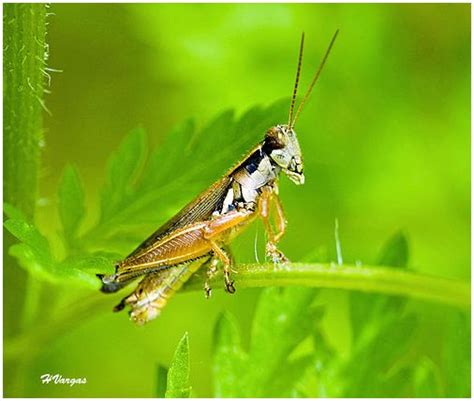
x=229 y=284
x=275 y=255
x=120 y=306
x=229 y=287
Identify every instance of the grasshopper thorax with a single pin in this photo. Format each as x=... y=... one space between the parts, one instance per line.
x=283 y=148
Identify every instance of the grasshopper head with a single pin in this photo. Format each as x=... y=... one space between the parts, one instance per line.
x=280 y=143
x=283 y=148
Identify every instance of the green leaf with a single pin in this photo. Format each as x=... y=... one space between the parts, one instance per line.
x=82 y=269
x=34 y=254
x=178 y=375
x=292 y=378
x=325 y=369
x=283 y=319
x=229 y=359
x=395 y=252
x=71 y=202
x=162 y=162
x=368 y=310
x=161 y=378
x=97 y=261
x=380 y=349
x=32 y=262
x=122 y=171
x=380 y=332
x=30 y=236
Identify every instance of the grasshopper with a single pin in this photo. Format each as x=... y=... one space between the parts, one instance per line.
x=198 y=234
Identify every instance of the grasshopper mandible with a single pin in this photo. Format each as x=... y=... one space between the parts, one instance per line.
x=198 y=234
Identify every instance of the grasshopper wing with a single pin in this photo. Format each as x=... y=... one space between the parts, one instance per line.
x=198 y=210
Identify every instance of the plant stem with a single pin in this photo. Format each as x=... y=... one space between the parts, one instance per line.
x=24 y=30
x=24 y=59
x=383 y=280
x=379 y=279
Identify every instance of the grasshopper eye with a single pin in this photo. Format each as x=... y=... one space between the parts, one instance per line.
x=280 y=157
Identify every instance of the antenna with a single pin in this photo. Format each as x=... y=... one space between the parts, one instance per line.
x=297 y=80
x=316 y=76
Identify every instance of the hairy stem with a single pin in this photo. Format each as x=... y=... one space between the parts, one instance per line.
x=24 y=58
x=24 y=71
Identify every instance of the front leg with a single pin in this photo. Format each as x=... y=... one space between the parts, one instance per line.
x=221 y=255
x=268 y=198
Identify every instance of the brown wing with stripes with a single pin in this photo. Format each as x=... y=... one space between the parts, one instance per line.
x=199 y=209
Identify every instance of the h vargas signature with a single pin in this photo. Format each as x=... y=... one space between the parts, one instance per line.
x=48 y=378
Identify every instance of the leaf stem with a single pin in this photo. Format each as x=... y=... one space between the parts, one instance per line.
x=378 y=279
x=375 y=279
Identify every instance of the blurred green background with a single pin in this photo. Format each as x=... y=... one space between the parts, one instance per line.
x=386 y=141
